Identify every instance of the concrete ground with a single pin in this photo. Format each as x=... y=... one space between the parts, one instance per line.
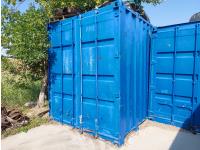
x=151 y=136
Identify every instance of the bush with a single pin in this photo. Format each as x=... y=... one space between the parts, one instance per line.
x=17 y=88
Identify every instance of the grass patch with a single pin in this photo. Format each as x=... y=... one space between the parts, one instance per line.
x=32 y=124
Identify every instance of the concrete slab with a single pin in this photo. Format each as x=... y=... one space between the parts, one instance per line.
x=151 y=135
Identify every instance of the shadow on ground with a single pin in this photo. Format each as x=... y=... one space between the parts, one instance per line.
x=184 y=139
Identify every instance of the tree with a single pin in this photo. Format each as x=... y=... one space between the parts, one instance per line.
x=83 y=5
x=25 y=37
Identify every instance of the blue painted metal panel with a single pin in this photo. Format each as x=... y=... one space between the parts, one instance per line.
x=61 y=71
x=98 y=71
x=134 y=57
x=175 y=70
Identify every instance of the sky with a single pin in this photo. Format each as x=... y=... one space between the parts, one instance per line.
x=172 y=11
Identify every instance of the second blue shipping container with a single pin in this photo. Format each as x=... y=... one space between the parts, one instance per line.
x=175 y=76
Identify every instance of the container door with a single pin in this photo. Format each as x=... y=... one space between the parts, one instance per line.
x=61 y=71
x=99 y=73
x=174 y=87
x=68 y=50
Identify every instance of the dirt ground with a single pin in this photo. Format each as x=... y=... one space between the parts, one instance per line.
x=151 y=136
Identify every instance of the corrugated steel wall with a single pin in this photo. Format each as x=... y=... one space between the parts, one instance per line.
x=134 y=46
x=98 y=71
x=175 y=70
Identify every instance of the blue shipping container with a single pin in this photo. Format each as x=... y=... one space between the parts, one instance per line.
x=175 y=76
x=98 y=71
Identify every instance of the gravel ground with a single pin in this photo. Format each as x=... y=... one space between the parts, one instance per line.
x=151 y=136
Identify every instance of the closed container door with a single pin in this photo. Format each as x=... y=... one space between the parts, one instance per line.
x=68 y=48
x=61 y=71
x=174 y=87
x=99 y=73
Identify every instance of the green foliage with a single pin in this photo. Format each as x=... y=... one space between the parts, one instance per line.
x=17 y=85
x=15 y=93
x=83 y=5
x=25 y=37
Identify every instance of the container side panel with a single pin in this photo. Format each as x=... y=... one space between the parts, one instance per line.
x=174 y=75
x=134 y=55
x=125 y=23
